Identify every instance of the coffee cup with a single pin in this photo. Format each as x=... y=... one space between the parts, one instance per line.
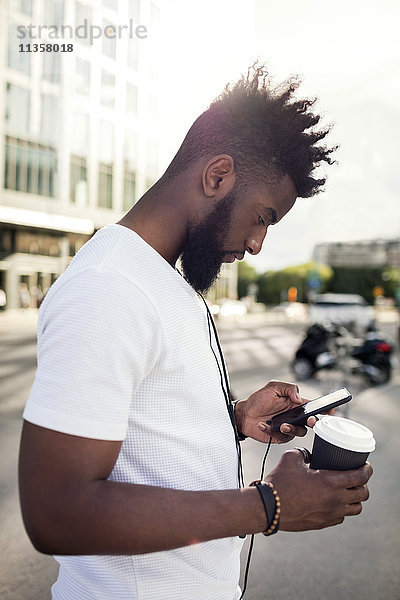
x=340 y=444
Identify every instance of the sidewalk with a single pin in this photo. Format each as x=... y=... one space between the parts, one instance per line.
x=18 y=320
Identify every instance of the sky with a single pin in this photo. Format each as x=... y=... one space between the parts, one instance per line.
x=347 y=54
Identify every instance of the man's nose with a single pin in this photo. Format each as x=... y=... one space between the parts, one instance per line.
x=254 y=243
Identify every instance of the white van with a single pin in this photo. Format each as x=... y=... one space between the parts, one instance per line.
x=347 y=309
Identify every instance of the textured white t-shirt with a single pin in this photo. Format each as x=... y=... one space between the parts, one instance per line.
x=124 y=354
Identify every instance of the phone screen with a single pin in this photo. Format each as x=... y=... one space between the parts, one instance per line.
x=320 y=403
x=300 y=414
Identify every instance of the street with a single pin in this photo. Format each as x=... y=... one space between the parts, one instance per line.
x=354 y=561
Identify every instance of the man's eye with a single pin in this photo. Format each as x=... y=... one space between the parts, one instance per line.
x=261 y=221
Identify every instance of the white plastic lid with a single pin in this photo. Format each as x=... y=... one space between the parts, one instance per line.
x=345 y=434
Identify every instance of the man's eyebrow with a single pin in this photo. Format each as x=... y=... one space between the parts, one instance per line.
x=271 y=214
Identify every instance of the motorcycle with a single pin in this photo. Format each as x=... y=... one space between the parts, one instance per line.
x=374 y=354
x=333 y=346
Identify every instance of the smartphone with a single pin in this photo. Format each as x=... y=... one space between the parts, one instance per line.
x=300 y=414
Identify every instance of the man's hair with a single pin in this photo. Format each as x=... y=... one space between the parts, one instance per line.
x=267 y=132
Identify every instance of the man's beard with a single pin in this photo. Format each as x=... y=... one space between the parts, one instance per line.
x=203 y=253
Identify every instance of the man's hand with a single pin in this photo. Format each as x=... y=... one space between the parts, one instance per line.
x=274 y=398
x=314 y=499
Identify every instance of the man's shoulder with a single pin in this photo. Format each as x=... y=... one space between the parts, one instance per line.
x=116 y=268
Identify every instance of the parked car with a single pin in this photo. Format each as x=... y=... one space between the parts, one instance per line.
x=351 y=310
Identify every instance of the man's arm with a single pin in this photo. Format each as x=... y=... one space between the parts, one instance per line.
x=69 y=506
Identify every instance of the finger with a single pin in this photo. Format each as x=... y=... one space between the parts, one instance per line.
x=277 y=436
x=311 y=421
x=353 y=509
x=352 y=478
x=358 y=494
x=288 y=390
x=293 y=430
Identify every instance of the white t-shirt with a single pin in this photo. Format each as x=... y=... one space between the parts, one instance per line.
x=124 y=354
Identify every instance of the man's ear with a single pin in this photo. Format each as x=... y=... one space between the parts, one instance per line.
x=219 y=176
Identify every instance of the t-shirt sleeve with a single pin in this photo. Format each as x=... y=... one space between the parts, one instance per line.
x=99 y=337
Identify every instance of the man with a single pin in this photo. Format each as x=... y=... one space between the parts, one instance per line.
x=128 y=463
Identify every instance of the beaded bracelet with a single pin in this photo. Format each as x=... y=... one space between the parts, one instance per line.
x=272 y=504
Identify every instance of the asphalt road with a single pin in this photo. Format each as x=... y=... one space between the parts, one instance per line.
x=354 y=561
x=360 y=558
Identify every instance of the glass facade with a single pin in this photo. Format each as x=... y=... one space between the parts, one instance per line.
x=105 y=186
x=83 y=18
x=22 y=6
x=37 y=243
x=78 y=181
x=49 y=120
x=133 y=53
x=59 y=126
x=52 y=67
x=109 y=39
x=20 y=61
x=129 y=190
x=107 y=97
x=82 y=76
x=30 y=167
x=131 y=100
x=17 y=116
x=134 y=10
x=53 y=12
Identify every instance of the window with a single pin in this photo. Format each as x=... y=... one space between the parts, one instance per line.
x=152 y=109
x=30 y=167
x=131 y=100
x=106 y=142
x=75 y=242
x=109 y=39
x=46 y=172
x=7 y=241
x=17 y=110
x=32 y=170
x=51 y=66
x=50 y=120
x=37 y=243
x=152 y=158
x=82 y=77
x=107 y=94
x=105 y=186
x=129 y=189
x=112 y=4
x=20 y=61
x=78 y=181
x=133 y=53
x=53 y=12
x=134 y=10
x=83 y=21
x=154 y=16
x=106 y=159
x=22 y=6
x=80 y=134
x=130 y=150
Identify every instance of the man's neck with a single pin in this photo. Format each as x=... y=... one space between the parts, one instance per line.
x=159 y=219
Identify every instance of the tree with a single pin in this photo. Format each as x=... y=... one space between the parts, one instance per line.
x=273 y=285
x=362 y=280
x=246 y=275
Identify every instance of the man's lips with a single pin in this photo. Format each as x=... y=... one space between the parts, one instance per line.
x=231 y=256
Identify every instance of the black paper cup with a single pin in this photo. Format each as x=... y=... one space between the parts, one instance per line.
x=340 y=444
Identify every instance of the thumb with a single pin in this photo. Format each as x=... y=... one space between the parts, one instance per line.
x=297 y=457
x=303 y=454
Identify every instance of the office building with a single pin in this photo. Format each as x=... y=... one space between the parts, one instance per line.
x=363 y=253
x=78 y=130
